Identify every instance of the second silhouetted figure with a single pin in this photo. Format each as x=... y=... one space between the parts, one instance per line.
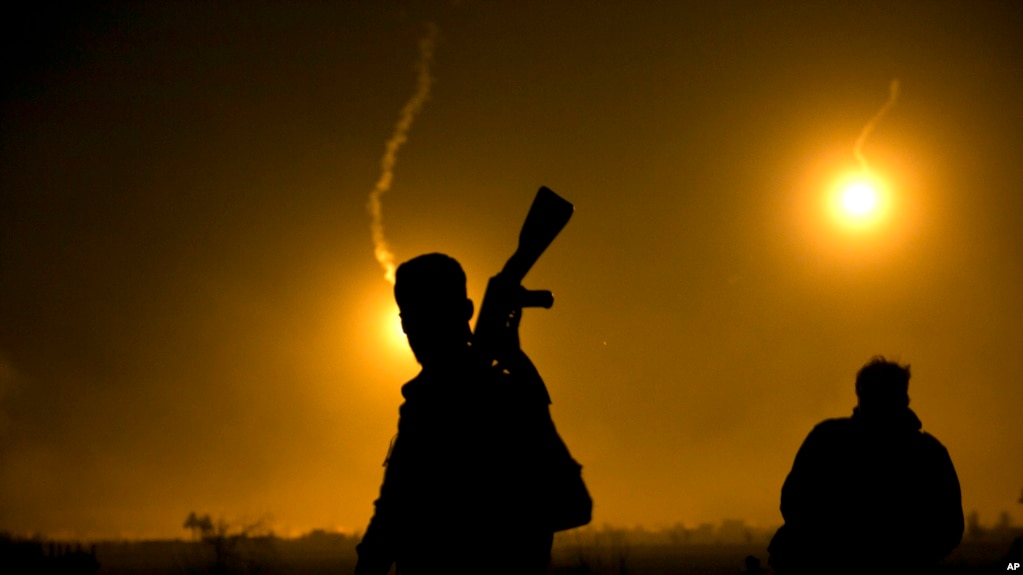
x=870 y=493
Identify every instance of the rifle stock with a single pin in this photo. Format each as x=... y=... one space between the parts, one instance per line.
x=547 y=216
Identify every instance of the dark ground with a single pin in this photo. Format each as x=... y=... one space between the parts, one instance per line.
x=329 y=553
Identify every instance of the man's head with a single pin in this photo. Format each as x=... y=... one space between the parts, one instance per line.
x=882 y=385
x=435 y=311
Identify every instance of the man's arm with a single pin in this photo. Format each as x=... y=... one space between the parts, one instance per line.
x=512 y=360
x=375 y=558
x=376 y=550
x=798 y=497
x=945 y=523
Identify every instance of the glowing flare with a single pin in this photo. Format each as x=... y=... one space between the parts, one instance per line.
x=859 y=198
x=859 y=201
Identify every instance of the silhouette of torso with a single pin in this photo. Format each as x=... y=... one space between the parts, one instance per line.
x=868 y=493
x=457 y=495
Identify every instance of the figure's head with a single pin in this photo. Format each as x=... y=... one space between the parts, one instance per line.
x=435 y=310
x=882 y=385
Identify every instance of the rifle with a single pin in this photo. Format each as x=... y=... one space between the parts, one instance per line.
x=563 y=500
x=505 y=297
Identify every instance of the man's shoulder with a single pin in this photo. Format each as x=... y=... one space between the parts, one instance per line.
x=490 y=389
x=411 y=387
x=932 y=443
x=835 y=431
x=834 y=425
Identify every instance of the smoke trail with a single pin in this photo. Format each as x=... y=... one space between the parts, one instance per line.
x=893 y=96
x=400 y=135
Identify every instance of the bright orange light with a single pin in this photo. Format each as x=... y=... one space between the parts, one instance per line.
x=379 y=330
x=859 y=200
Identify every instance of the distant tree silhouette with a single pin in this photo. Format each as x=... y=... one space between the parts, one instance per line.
x=227 y=557
x=974 y=530
x=1004 y=522
x=201 y=527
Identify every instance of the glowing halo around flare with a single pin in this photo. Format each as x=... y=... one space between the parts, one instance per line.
x=859 y=200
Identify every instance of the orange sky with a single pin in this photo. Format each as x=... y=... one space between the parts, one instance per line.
x=191 y=317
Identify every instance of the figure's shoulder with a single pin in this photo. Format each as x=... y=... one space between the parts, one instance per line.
x=412 y=387
x=415 y=398
x=831 y=432
x=931 y=443
x=519 y=390
x=834 y=425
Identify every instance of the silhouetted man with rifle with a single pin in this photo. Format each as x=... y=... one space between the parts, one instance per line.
x=477 y=479
x=870 y=493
